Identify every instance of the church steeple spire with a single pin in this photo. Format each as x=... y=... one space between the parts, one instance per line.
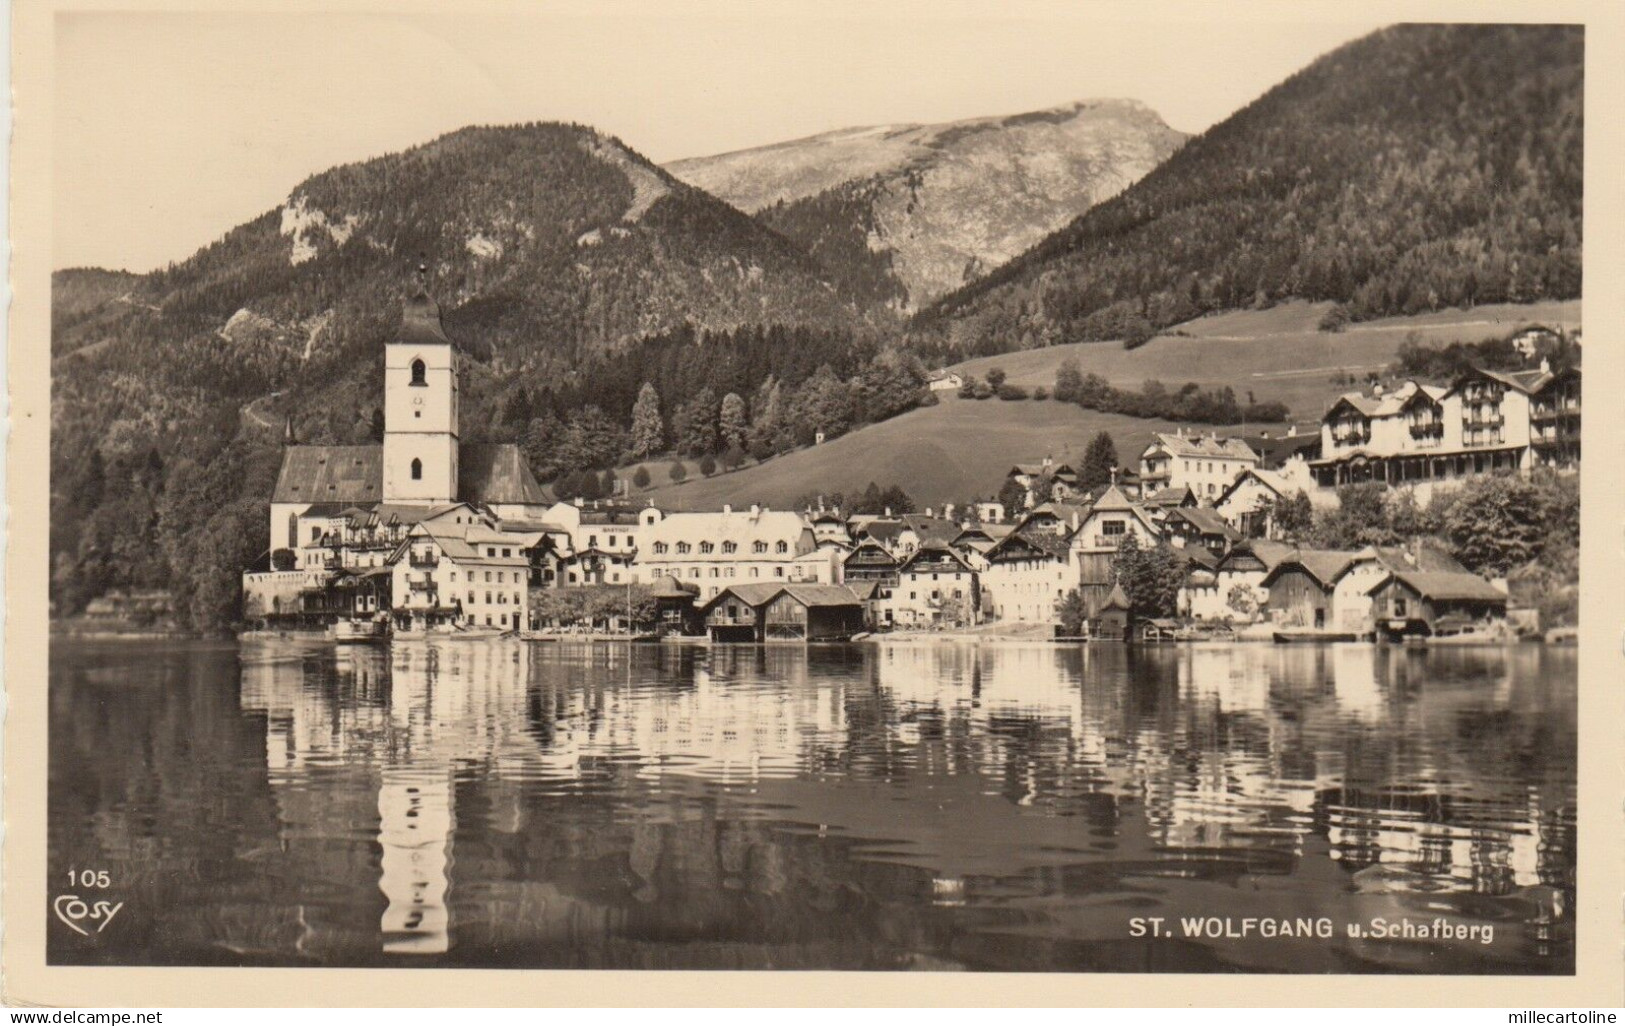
x=287 y=431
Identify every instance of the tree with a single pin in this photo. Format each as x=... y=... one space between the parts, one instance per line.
x=733 y=458
x=1361 y=518
x=648 y=430
x=229 y=540
x=1150 y=577
x=1335 y=319
x=1011 y=392
x=640 y=477
x=606 y=484
x=995 y=377
x=677 y=472
x=538 y=446
x=769 y=434
x=733 y=427
x=1073 y=613
x=1243 y=601
x=1505 y=521
x=823 y=403
x=377 y=424
x=1012 y=496
x=695 y=424
x=1099 y=460
x=708 y=465
x=1068 y=381
x=1290 y=518
x=284 y=560
x=967 y=387
x=896 y=500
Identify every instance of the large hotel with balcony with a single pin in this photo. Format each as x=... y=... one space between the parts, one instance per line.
x=1421 y=435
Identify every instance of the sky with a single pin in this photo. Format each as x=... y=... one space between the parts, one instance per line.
x=169 y=129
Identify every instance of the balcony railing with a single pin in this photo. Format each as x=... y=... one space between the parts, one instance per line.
x=1351 y=437
x=1490 y=421
x=1108 y=541
x=724 y=620
x=426 y=560
x=420 y=584
x=1555 y=412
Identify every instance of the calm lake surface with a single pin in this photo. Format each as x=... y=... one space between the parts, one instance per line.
x=901 y=806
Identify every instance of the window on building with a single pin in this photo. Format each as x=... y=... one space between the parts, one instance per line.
x=1111 y=527
x=759 y=547
x=487 y=598
x=487 y=577
x=420 y=373
x=706 y=548
x=778 y=571
x=730 y=547
x=417 y=470
x=660 y=548
x=781 y=548
x=683 y=548
x=592 y=541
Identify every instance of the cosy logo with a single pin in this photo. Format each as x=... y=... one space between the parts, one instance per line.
x=73 y=910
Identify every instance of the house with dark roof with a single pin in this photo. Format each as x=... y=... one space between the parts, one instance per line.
x=1301 y=587
x=1027 y=576
x=1232 y=589
x=935 y=587
x=1199 y=527
x=1409 y=602
x=784 y=612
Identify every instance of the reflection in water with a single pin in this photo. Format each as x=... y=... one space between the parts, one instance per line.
x=892 y=806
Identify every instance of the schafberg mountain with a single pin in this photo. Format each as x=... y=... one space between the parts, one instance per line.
x=900 y=214
x=1420 y=167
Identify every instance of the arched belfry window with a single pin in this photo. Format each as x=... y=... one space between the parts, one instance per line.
x=420 y=373
x=417 y=470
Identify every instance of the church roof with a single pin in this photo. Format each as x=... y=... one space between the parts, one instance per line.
x=420 y=322
x=487 y=473
x=496 y=473
x=331 y=473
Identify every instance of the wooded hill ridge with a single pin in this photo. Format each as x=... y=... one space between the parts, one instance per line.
x=1420 y=167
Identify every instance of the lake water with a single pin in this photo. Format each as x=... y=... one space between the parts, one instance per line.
x=901 y=806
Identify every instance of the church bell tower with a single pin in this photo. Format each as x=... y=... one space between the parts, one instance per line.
x=420 y=407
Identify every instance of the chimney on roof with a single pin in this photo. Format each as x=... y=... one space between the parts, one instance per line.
x=1376 y=389
x=947 y=511
x=1292 y=430
x=580 y=502
x=727 y=508
x=755 y=510
x=888 y=511
x=287 y=432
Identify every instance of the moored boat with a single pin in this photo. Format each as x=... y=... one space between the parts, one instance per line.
x=359 y=632
x=1309 y=635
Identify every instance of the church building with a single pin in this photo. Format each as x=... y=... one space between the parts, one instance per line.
x=422 y=472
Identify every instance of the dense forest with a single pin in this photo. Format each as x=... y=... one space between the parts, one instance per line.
x=1421 y=167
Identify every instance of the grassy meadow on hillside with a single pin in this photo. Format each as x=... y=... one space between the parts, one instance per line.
x=963 y=447
x=950 y=452
x=1276 y=354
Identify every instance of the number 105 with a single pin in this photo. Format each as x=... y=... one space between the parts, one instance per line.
x=88 y=878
